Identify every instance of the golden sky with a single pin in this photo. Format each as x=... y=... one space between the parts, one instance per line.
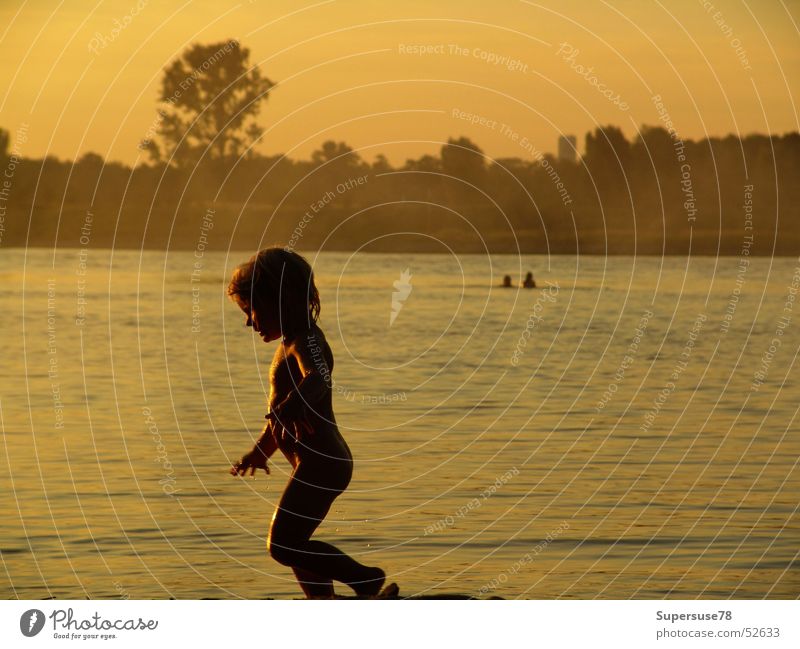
x=347 y=70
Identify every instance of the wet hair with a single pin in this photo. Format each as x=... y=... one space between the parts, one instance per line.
x=281 y=280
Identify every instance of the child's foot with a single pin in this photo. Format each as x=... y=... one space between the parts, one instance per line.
x=392 y=591
x=371 y=584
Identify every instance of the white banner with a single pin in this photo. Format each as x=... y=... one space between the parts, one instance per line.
x=408 y=624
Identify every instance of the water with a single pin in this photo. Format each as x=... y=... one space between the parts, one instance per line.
x=504 y=443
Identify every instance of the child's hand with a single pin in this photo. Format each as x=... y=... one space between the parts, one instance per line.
x=302 y=429
x=293 y=418
x=253 y=460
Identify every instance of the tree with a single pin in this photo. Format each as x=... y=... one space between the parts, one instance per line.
x=607 y=148
x=463 y=159
x=329 y=151
x=653 y=147
x=655 y=168
x=209 y=97
x=426 y=163
x=91 y=160
x=336 y=162
x=381 y=164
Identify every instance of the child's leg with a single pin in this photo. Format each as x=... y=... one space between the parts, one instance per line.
x=314 y=586
x=302 y=508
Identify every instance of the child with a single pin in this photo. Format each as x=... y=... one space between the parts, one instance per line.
x=276 y=291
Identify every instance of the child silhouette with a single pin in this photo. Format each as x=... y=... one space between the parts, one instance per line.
x=276 y=291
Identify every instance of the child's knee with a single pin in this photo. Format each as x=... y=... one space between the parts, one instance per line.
x=281 y=551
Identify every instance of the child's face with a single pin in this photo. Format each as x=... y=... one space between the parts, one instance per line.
x=260 y=319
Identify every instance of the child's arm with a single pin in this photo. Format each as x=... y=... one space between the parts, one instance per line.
x=309 y=353
x=258 y=456
x=266 y=443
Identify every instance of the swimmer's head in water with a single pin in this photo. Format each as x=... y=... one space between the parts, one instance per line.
x=277 y=285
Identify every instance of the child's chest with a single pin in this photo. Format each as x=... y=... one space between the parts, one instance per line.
x=284 y=375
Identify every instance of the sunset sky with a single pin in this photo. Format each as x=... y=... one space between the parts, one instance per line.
x=344 y=71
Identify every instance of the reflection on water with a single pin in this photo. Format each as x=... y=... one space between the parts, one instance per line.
x=626 y=430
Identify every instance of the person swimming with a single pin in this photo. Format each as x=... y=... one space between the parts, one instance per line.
x=276 y=291
x=529 y=282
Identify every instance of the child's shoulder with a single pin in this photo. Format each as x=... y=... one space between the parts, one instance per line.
x=311 y=348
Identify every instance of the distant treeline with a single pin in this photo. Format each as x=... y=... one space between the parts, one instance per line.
x=205 y=187
x=648 y=196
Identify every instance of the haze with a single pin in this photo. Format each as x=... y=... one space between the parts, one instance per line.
x=349 y=70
